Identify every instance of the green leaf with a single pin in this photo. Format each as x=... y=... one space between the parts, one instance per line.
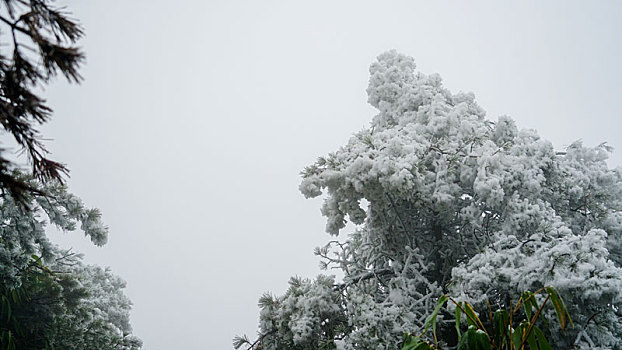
x=431 y=321
x=517 y=336
x=413 y=342
x=479 y=341
x=409 y=342
x=543 y=344
x=500 y=326
x=526 y=304
x=458 y=315
x=531 y=339
x=15 y=296
x=560 y=308
x=472 y=318
x=6 y=305
x=464 y=341
x=529 y=303
x=474 y=339
x=7 y=337
x=424 y=346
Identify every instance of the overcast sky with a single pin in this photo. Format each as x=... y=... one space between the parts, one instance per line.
x=196 y=117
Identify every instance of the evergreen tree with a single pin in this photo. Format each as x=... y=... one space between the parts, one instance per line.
x=49 y=298
x=38 y=41
x=446 y=201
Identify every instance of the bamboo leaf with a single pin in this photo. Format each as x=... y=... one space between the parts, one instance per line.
x=6 y=301
x=10 y=344
x=560 y=308
x=463 y=344
x=413 y=342
x=500 y=326
x=458 y=316
x=529 y=303
x=531 y=340
x=480 y=341
x=543 y=344
x=431 y=321
x=409 y=342
x=15 y=296
x=472 y=318
x=517 y=337
x=424 y=346
x=474 y=338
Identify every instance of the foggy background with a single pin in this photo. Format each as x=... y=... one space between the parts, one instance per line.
x=196 y=117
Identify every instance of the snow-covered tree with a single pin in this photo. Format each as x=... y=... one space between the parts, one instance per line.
x=446 y=201
x=49 y=298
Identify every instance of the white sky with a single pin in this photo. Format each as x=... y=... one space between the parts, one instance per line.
x=196 y=117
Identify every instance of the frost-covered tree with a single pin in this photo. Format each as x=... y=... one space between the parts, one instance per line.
x=49 y=298
x=446 y=201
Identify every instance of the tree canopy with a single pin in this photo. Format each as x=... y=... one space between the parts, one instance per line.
x=447 y=201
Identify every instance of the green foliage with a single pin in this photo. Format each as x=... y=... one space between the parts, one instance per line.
x=56 y=310
x=28 y=311
x=474 y=338
x=431 y=321
x=501 y=333
x=413 y=342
